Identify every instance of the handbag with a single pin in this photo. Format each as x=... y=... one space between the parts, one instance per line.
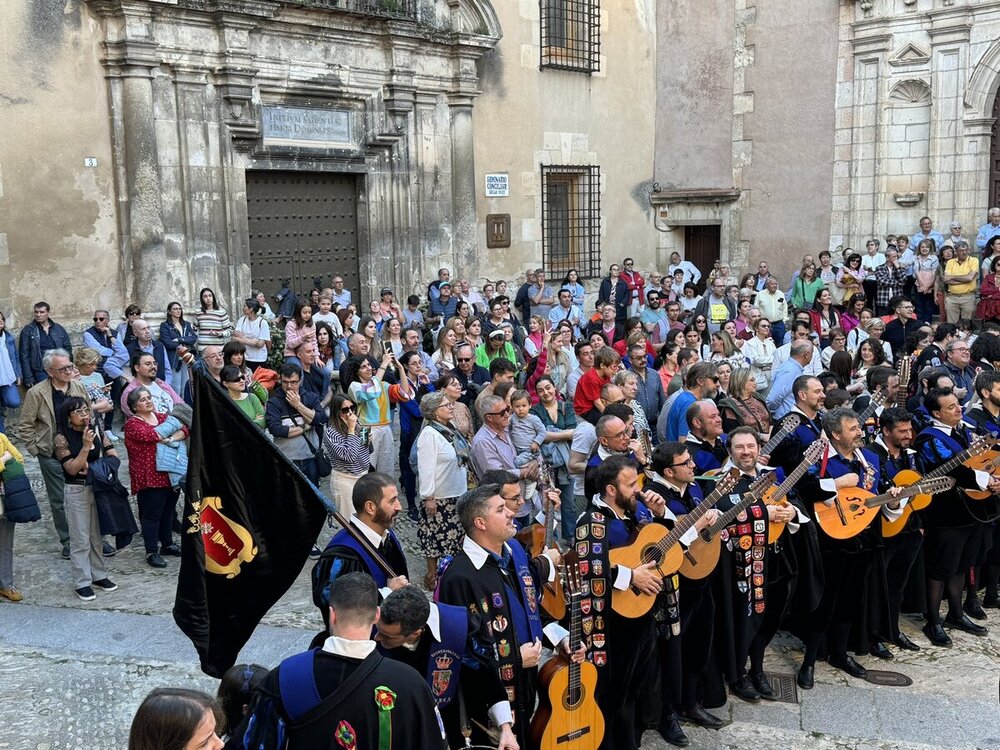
x=18 y=501
x=323 y=466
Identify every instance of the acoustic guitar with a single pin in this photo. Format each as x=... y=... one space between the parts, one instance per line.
x=702 y=556
x=904 y=381
x=568 y=717
x=654 y=542
x=988 y=462
x=853 y=509
x=876 y=400
x=907 y=477
x=539 y=537
x=776 y=495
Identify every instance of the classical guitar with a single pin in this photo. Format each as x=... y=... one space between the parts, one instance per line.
x=776 y=495
x=539 y=537
x=988 y=462
x=702 y=556
x=789 y=425
x=853 y=509
x=979 y=447
x=877 y=399
x=568 y=717
x=655 y=543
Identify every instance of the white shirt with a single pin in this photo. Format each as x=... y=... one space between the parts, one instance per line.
x=760 y=352
x=783 y=352
x=438 y=470
x=374 y=540
x=349 y=649
x=257 y=329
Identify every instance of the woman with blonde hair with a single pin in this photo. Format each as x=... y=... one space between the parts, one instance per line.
x=724 y=349
x=533 y=341
x=806 y=287
x=743 y=406
x=444 y=356
x=628 y=381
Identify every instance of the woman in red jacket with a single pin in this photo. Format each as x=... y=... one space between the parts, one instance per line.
x=156 y=498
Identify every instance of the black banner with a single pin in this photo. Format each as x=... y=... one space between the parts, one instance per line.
x=250 y=520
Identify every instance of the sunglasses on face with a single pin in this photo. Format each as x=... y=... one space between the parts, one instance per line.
x=348 y=409
x=463 y=359
x=503 y=413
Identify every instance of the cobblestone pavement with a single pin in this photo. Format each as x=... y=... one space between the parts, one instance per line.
x=73 y=673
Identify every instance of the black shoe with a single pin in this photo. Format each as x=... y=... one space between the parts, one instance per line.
x=170 y=550
x=763 y=686
x=881 y=651
x=670 y=730
x=849 y=665
x=155 y=560
x=964 y=623
x=106 y=584
x=905 y=643
x=991 y=602
x=974 y=609
x=315 y=553
x=936 y=635
x=701 y=717
x=806 y=677
x=65 y=552
x=86 y=594
x=107 y=550
x=745 y=690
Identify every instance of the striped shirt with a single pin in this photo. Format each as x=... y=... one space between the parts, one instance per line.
x=348 y=453
x=213 y=326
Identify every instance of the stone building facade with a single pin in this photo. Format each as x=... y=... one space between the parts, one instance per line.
x=154 y=147
x=794 y=126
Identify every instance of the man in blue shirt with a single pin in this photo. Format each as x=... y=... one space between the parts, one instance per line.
x=781 y=397
x=989 y=229
x=927 y=232
x=701 y=382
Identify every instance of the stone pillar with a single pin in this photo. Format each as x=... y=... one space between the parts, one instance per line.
x=463 y=186
x=136 y=153
x=949 y=50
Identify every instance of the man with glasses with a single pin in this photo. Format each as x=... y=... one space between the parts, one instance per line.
x=650 y=394
x=655 y=320
x=716 y=306
x=37 y=428
x=470 y=375
x=340 y=295
x=38 y=337
x=294 y=418
x=962 y=374
x=491 y=445
x=114 y=358
x=636 y=286
x=897 y=329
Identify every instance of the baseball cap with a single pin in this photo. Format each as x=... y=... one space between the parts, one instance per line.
x=385 y=290
x=444 y=283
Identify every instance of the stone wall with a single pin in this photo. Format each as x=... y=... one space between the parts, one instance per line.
x=527 y=117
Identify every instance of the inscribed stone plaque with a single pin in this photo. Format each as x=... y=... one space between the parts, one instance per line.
x=307 y=125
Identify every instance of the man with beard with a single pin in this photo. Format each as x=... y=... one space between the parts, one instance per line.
x=620 y=647
x=704 y=438
x=440 y=641
x=493 y=577
x=899 y=551
x=952 y=539
x=376 y=505
x=753 y=584
x=809 y=399
x=846 y=563
x=684 y=610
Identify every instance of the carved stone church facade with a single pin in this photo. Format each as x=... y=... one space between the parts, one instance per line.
x=793 y=126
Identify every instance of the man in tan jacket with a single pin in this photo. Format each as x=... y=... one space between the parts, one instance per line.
x=37 y=429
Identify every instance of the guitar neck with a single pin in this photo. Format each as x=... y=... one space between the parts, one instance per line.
x=686 y=523
x=785 y=487
x=878 y=500
x=549 y=523
x=873 y=404
x=952 y=463
x=575 y=637
x=776 y=439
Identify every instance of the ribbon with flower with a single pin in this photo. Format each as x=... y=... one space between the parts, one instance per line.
x=385 y=699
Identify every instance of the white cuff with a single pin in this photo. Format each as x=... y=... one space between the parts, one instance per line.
x=688 y=537
x=800 y=518
x=552 y=565
x=555 y=633
x=893 y=515
x=500 y=713
x=828 y=485
x=623 y=578
x=384 y=591
x=982 y=479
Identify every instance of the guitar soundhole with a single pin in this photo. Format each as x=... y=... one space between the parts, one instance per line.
x=652 y=554
x=573 y=697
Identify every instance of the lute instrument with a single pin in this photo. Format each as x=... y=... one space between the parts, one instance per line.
x=776 y=495
x=568 y=717
x=702 y=556
x=655 y=543
x=907 y=477
x=854 y=508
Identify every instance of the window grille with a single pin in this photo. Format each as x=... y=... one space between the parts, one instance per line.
x=571 y=34
x=571 y=220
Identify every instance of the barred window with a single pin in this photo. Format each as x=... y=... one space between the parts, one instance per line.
x=571 y=34
x=571 y=220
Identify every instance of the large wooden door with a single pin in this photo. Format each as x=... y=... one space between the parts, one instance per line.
x=303 y=226
x=702 y=245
